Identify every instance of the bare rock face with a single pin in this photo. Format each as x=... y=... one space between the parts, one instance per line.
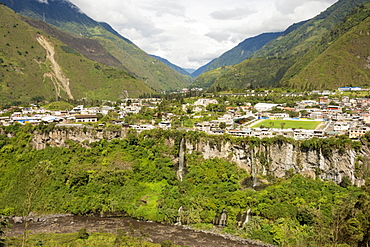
x=59 y=137
x=277 y=160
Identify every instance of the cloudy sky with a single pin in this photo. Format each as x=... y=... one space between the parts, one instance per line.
x=190 y=33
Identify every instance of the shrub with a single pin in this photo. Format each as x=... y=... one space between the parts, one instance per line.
x=166 y=243
x=83 y=234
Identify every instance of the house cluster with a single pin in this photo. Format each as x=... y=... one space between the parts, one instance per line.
x=336 y=116
x=35 y=115
x=343 y=116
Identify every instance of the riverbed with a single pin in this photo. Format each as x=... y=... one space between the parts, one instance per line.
x=154 y=232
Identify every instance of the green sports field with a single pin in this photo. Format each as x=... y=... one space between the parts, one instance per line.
x=287 y=124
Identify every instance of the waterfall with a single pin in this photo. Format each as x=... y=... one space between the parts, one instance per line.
x=180 y=171
x=179 y=216
x=247 y=217
x=253 y=170
x=223 y=218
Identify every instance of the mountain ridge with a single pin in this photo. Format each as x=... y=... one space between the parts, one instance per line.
x=34 y=64
x=68 y=17
x=270 y=64
x=171 y=65
x=245 y=49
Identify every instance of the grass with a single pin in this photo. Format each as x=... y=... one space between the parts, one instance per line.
x=287 y=124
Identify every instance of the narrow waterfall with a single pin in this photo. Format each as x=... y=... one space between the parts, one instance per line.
x=223 y=218
x=247 y=217
x=179 y=217
x=253 y=170
x=180 y=171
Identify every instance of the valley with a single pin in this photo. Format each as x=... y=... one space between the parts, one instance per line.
x=103 y=144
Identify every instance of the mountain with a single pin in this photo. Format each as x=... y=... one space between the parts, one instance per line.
x=245 y=49
x=200 y=70
x=341 y=58
x=190 y=71
x=242 y=51
x=171 y=65
x=273 y=62
x=67 y=17
x=35 y=64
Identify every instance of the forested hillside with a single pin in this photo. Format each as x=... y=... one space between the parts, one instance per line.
x=137 y=175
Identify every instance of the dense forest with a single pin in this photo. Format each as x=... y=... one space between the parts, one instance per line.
x=137 y=175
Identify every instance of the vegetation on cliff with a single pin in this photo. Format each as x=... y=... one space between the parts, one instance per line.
x=137 y=175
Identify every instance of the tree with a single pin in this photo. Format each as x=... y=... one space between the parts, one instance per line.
x=346 y=181
x=37 y=177
x=293 y=114
x=303 y=113
x=339 y=226
x=189 y=109
x=282 y=124
x=3 y=224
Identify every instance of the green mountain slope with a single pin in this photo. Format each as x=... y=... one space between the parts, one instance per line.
x=270 y=64
x=250 y=73
x=171 y=65
x=33 y=64
x=242 y=51
x=68 y=17
x=300 y=40
x=340 y=59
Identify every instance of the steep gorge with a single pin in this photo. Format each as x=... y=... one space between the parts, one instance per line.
x=262 y=160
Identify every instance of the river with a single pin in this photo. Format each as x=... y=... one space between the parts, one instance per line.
x=155 y=232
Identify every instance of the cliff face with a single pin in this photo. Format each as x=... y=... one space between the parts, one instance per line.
x=278 y=160
x=272 y=160
x=84 y=135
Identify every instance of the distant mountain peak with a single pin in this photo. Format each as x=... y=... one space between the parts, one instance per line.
x=171 y=65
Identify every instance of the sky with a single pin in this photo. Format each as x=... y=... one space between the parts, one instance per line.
x=190 y=33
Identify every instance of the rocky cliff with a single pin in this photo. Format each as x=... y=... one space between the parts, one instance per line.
x=279 y=160
x=59 y=136
x=261 y=160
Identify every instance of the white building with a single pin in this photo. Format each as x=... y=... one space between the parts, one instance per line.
x=142 y=127
x=86 y=118
x=205 y=102
x=341 y=126
x=166 y=125
x=264 y=106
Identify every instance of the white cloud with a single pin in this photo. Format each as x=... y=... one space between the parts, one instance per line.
x=42 y=1
x=190 y=33
x=232 y=14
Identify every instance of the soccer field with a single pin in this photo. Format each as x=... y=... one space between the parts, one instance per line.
x=287 y=124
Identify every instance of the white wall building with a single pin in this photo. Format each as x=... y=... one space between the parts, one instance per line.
x=264 y=106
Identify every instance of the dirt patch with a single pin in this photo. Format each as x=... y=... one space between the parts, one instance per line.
x=57 y=76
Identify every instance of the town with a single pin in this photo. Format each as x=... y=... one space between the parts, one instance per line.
x=317 y=114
